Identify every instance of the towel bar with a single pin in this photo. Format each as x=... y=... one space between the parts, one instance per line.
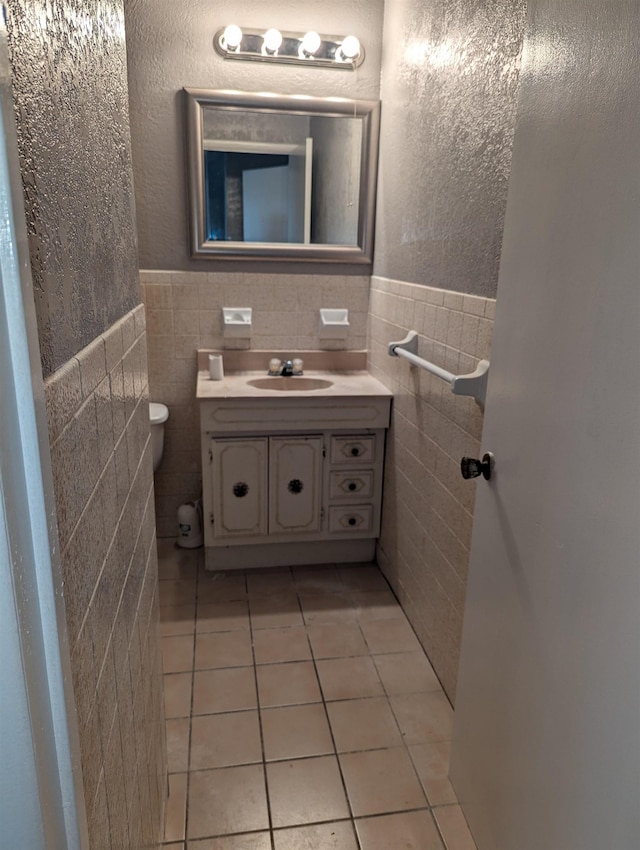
x=474 y=384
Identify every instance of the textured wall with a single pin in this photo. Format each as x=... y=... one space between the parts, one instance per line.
x=184 y=313
x=449 y=84
x=170 y=45
x=428 y=507
x=336 y=180
x=101 y=459
x=258 y=127
x=70 y=87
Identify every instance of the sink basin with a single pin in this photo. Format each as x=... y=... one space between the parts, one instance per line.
x=281 y=384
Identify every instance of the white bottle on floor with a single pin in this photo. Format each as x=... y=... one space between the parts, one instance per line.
x=190 y=525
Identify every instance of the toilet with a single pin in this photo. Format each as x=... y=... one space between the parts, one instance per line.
x=158 y=415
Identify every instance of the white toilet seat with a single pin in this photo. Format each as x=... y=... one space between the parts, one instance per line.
x=158 y=413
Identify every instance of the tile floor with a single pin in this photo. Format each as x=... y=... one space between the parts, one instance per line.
x=302 y=714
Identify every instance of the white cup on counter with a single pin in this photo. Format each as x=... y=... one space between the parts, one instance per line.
x=216 y=368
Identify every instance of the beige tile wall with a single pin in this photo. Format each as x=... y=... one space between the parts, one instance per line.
x=184 y=313
x=427 y=509
x=101 y=457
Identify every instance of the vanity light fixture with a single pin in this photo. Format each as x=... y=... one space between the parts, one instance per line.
x=271 y=42
x=231 y=37
x=310 y=44
x=349 y=50
x=310 y=48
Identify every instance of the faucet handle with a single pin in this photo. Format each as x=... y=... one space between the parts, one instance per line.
x=274 y=366
x=297 y=366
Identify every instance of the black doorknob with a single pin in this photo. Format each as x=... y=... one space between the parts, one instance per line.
x=240 y=489
x=471 y=467
x=295 y=486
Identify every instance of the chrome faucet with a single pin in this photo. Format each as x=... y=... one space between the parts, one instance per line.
x=287 y=369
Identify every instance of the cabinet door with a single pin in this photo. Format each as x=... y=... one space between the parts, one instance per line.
x=295 y=484
x=239 y=487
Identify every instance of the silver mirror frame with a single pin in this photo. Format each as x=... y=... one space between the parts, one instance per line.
x=367 y=110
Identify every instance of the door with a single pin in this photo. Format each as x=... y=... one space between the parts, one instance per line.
x=239 y=487
x=300 y=171
x=295 y=484
x=546 y=752
x=265 y=204
x=42 y=804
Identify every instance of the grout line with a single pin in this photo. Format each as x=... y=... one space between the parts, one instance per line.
x=320 y=701
x=193 y=680
x=304 y=758
x=259 y=712
x=445 y=844
x=319 y=823
x=314 y=661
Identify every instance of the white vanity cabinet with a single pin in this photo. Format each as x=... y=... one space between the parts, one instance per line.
x=292 y=480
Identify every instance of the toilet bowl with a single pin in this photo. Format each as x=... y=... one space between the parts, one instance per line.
x=158 y=415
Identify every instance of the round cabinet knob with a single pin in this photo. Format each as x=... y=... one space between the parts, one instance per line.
x=240 y=489
x=295 y=486
x=472 y=467
x=352 y=486
x=355 y=451
x=352 y=520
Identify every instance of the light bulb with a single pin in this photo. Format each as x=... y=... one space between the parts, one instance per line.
x=272 y=40
x=350 y=47
x=311 y=42
x=232 y=36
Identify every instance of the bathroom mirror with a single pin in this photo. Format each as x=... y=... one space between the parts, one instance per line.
x=285 y=177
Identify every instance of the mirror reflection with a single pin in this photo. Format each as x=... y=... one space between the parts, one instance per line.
x=281 y=176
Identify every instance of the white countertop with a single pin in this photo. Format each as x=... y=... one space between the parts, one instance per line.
x=353 y=384
x=344 y=369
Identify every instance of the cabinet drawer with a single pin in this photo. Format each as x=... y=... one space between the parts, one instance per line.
x=351 y=520
x=353 y=449
x=351 y=484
